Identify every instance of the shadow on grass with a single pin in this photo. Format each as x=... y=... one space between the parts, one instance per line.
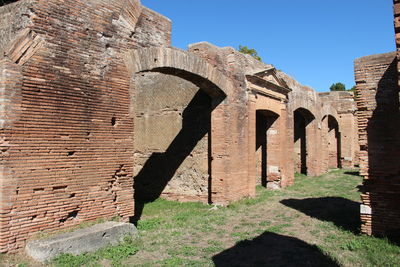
x=354 y=173
x=270 y=249
x=342 y=212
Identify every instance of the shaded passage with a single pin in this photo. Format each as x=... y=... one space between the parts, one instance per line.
x=334 y=143
x=264 y=120
x=302 y=118
x=342 y=212
x=160 y=168
x=270 y=249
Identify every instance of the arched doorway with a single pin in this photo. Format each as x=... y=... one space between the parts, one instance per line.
x=175 y=96
x=172 y=126
x=303 y=134
x=334 y=143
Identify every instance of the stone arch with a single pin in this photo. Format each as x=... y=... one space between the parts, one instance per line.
x=179 y=63
x=171 y=62
x=329 y=110
x=331 y=140
x=309 y=108
x=305 y=133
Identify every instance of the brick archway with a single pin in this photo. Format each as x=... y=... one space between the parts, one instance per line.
x=180 y=63
x=268 y=148
x=183 y=65
x=331 y=140
x=305 y=132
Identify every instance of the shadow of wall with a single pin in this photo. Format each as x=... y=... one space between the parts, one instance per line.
x=161 y=167
x=341 y=211
x=270 y=249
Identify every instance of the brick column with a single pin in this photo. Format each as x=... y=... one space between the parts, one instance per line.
x=313 y=149
x=324 y=145
x=286 y=148
x=252 y=176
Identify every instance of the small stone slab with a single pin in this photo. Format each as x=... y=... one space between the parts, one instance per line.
x=80 y=241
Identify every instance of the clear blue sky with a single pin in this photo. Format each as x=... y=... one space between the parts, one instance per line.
x=315 y=41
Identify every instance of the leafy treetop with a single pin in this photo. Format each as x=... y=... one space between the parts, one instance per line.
x=249 y=51
x=341 y=87
x=338 y=87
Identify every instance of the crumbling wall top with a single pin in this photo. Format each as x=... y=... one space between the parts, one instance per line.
x=14 y=17
x=234 y=58
x=342 y=101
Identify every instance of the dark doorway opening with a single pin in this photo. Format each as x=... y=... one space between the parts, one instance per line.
x=302 y=118
x=264 y=120
x=334 y=143
x=173 y=140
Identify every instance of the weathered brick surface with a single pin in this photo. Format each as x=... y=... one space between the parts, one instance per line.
x=377 y=81
x=267 y=97
x=229 y=132
x=172 y=137
x=67 y=133
x=379 y=138
x=344 y=104
x=99 y=115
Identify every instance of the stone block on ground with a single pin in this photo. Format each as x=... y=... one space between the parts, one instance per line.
x=80 y=241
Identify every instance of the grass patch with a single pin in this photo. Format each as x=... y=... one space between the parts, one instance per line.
x=176 y=261
x=311 y=221
x=114 y=254
x=149 y=224
x=183 y=251
x=278 y=228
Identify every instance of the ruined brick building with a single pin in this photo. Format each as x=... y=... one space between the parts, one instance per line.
x=99 y=115
x=377 y=82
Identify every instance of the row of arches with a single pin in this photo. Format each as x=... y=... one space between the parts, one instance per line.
x=192 y=143
x=306 y=148
x=305 y=140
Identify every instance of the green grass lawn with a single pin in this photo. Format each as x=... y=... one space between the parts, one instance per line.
x=312 y=223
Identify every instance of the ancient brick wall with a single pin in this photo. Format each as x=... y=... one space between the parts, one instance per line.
x=378 y=83
x=97 y=111
x=344 y=105
x=68 y=151
x=396 y=10
x=379 y=138
x=231 y=114
x=270 y=105
x=334 y=155
x=152 y=29
x=304 y=101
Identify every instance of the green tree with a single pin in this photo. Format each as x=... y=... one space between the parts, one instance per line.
x=353 y=88
x=338 y=87
x=249 y=51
